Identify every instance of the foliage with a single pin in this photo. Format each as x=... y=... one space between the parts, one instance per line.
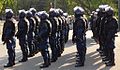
x=90 y=5
x=7 y=4
x=66 y=5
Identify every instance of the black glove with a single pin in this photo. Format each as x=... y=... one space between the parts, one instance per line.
x=2 y=37
x=5 y=40
x=73 y=39
x=17 y=35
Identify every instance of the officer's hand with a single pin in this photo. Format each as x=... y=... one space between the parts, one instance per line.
x=3 y=43
x=16 y=35
x=73 y=40
x=2 y=38
x=5 y=40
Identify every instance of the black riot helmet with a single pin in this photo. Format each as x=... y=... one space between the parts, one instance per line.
x=52 y=12
x=98 y=12
x=43 y=15
x=29 y=14
x=33 y=10
x=102 y=8
x=22 y=14
x=79 y=11
x=102 y=12
x=60 y=11
x=109 y=11
x=57 y=12
x=9 y=13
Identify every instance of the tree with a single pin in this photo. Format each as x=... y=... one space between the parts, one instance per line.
x=66 y=5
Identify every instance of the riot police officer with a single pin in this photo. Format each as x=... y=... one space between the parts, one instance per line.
x=8 y=37
x=99 y=26
x=63 y=28
x=59 y=33
x=93 y=25
x=52 y=37
x=30 y=35
x=43 y=35
x=66 y=27
x=37 y=21
x=92 y=22
x=22 y=34
x=109 y=31
x=79 y=29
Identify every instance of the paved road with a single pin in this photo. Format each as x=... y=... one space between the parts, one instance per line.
x=67 y=61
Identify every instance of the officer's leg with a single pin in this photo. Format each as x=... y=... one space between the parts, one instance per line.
x=62 y=43
x=14 y=45
x=30 y=46
x=58 y=46
x=84 y=51
x=101 y=48
x=92 y=29
x=54 y=49
x=67 y=35
x=36 y=50
x=13 y=42
x=105 y=58
x=100 y=45
x=14 y=56
x=24 y=49
x=33 y=47
x=94 y=32
x=46 y=58
x=110 y=47
x=81 y=54
x=111 y=57
x=78 y=54
x=11 y=57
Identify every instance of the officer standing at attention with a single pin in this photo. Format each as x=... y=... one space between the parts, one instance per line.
x=22 y=34
x=30 y=35
x=43 y=35
x=66 y=27
x=79 y=29
x=37 y=21
x=110 y=27
x=59 y=35
x=8 y=37
x=63 y=29
x=52 y=37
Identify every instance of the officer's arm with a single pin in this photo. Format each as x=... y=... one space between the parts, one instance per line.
x=3 y=33
x=113 y=29
x=43 y=31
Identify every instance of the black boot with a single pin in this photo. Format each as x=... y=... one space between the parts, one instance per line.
x=31 y=55
x=53 y=60
x=45 y=64
x=23 y=60
x=110 y=64
x=46 y=58
x=59 y=54
x=9 y=65
x=79 y=64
